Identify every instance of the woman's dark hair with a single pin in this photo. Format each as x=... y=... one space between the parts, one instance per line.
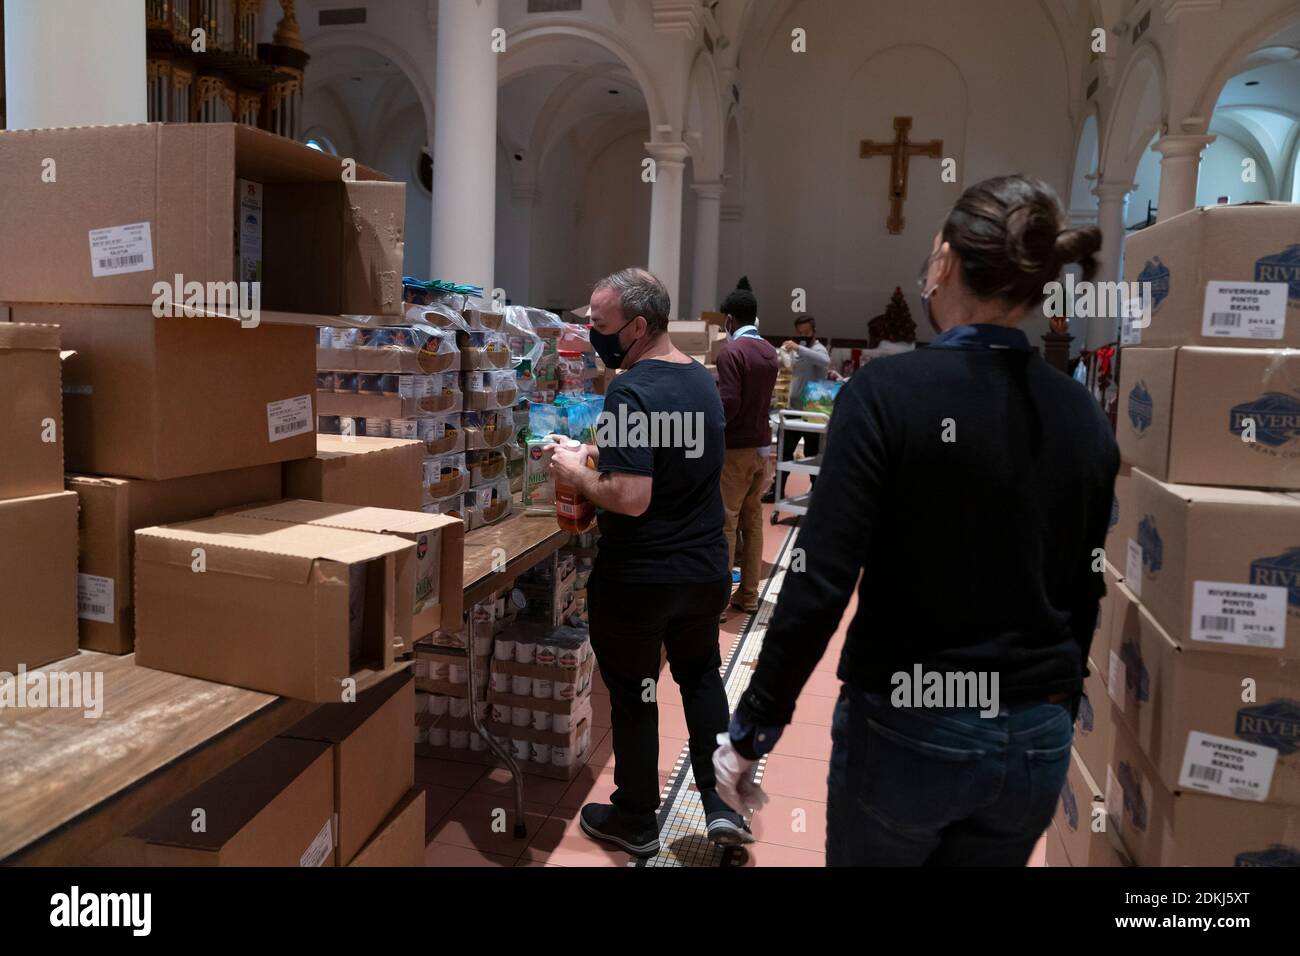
x=741 y=303
x=1009 y=234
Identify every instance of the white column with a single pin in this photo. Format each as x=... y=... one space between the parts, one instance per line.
x=463 y=239
x=1112 y=205
x=524 y=196
x=708 y=220
x=72 y=63
x=1180 y=165
x=665 y=258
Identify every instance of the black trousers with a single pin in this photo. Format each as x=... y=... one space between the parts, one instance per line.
x=812 y=444
x=629 y=625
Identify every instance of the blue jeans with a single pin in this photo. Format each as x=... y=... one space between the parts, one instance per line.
x=931 y=787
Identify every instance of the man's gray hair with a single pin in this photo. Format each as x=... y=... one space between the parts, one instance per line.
x=640 y=293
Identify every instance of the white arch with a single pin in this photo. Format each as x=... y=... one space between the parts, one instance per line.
x=1086 y=138
x=339 y=39
x=1146 y=65
x=704 y=102
x=1232 y=62
x=521 y=38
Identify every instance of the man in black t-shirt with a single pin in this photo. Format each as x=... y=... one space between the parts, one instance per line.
x=661 y=576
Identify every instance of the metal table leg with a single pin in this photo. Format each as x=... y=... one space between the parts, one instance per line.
x=521 y=828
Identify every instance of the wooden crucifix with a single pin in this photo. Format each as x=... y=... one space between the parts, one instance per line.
x=899 y=152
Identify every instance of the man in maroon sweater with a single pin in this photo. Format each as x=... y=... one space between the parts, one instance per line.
x=747 y=367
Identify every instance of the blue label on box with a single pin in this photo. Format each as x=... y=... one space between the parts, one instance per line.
x=1140 y=407
x=1276 y=417
x=1157 y=274
x=1279 y=571
x=1279 y=854
x=1275 y=724
x=1153 y=549
x=1281 y=267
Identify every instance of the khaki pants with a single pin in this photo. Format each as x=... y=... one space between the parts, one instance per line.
x=744 y=474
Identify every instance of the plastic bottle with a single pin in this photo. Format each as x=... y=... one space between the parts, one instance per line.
x=574 y=513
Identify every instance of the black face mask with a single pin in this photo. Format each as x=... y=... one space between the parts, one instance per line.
x=805 y=340
x=608 y=347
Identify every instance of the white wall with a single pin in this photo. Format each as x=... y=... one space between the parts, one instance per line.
x=814 y=212
x=1221 y=174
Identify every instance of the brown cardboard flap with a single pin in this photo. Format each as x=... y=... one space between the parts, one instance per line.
x=335 y=722
x=311 y=542
x=350 y=517
x=29 y=335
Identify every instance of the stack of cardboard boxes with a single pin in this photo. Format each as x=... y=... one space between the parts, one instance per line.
x=38 y=519
x=1189 y=737
x=701 y=339
x=184 y=394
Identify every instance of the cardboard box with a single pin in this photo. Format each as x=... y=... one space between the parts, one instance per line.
x=373 y=740
x=378 y=472
x=1094 y=730
x=271 y=608
x=1160 y=827
x=439 y=553
x=38 y=580
x=1217 y=723
x=1236 y=246
x=273 y=808
x=31 y=428
x=693 y=338
x=145 y=397
x=113 y=509
x=1123 y=524
x=1107 y=611
x=399 y=841
x=1081 y=820
x=1219 y=568
x=138 y=204
x=715 y=346
x=1186 y=414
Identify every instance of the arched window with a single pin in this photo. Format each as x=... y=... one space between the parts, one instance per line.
x=320 y=143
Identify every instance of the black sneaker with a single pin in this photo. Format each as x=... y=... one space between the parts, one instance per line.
x=727 y=828
x=601 y=821
x=769 y=497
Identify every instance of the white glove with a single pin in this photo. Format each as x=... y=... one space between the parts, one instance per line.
x=736 y=779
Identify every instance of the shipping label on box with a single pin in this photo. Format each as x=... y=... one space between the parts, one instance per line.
x=1219 y=568
x=1220 y=275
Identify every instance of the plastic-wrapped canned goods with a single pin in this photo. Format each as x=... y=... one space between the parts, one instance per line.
x=414 y=386
x=325 y=337
x=540 y=753
x=561 y=723
x=458 y=707
x=422 y=702
x=520 y=748
x=404 y=428
x=345 y=383
x=377 y=427
x=438 y=737
x=477 y=743
x=437 y=670
x=521 y=716
x=564 y=690
x=459 y=739
x=419 y=668
x=482 y=644
x=543 y=688
x=561 y=757
x=525 y=652
x=351 y=427
x=521 y=686
x=343 y=338
x=439 y=704
x=457 y=673
x=545 y=654
x=504 y=650
x=327 y=424
x=500 y=713
x=501 y=683
x=541 y=720
x=324 y=381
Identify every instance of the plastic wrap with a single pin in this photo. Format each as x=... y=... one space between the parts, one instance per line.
x=445 y=476
x=488 y=503
x=488 y=429
x=487 y=389
x=485 y=465
x=441 y=434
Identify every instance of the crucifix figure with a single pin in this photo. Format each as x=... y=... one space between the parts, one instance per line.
x=899 y=152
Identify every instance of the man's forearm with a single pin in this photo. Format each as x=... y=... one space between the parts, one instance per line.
x=601 y=493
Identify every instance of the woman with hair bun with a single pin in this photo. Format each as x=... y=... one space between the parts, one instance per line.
x=965 y=492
